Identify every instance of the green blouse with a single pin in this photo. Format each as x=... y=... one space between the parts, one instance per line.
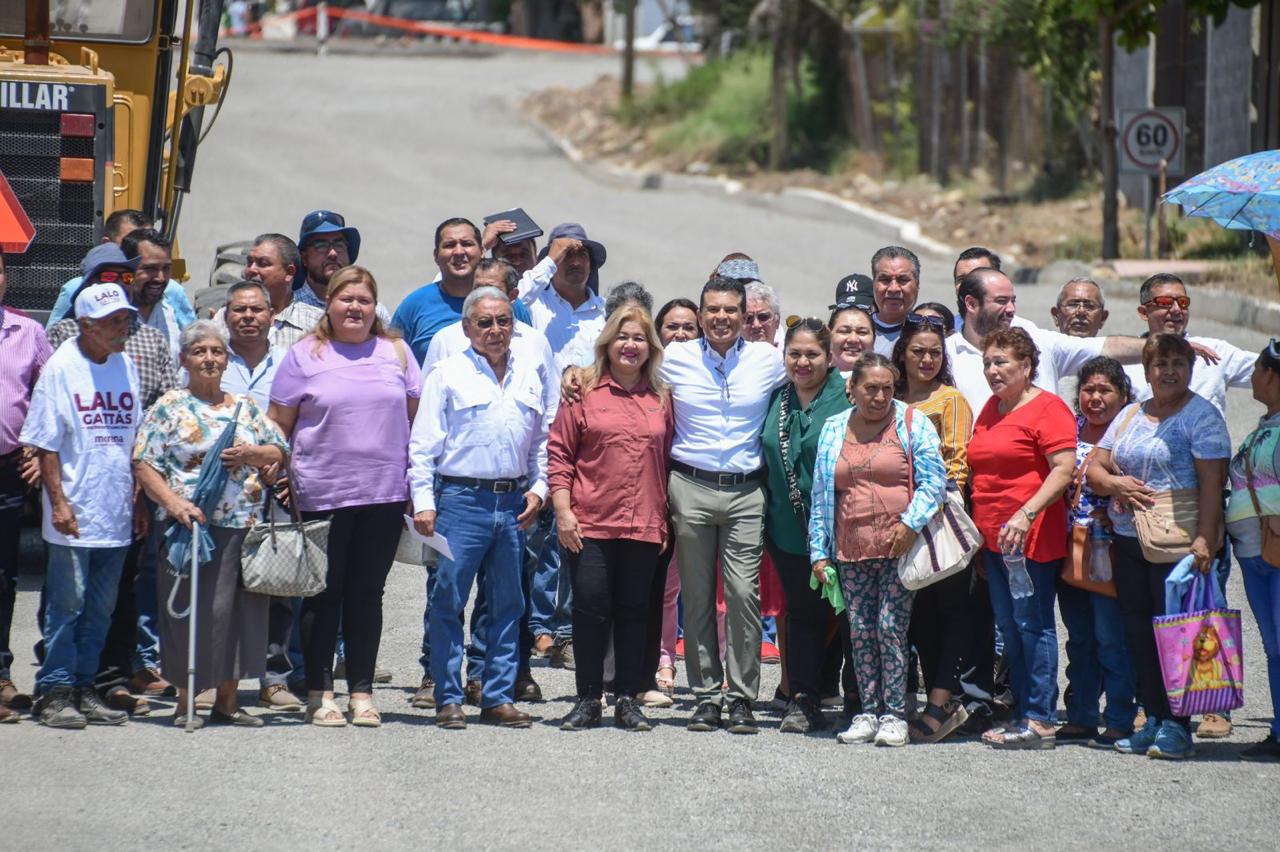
x=782 y=526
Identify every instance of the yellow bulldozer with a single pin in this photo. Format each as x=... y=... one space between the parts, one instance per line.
x=103 y=105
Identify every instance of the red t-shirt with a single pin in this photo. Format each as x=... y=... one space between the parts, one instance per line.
x=1007 y=467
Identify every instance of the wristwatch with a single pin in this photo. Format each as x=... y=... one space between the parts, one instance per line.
x=1031 y=516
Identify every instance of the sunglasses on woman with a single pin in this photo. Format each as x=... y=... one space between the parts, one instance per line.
x=811 y=323
x=1167 y=302
x=851 y=306
x=927 y=319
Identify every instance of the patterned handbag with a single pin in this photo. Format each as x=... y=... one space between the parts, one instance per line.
x=286 y=560
x=945 y=545
x=1201 y=652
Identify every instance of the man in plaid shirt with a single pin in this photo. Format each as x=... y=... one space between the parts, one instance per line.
x=132 y=651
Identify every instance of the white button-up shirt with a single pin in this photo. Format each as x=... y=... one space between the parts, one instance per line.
x=721 y=402
x=571 y=331
x=525 y=339
x=1208 y=380
x=471 y=425
x=1060 y=355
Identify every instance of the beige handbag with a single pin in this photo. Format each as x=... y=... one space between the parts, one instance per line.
x=1167 y=529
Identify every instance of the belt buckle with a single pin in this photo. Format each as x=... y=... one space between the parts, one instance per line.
x=503 y=487
x=726 y=480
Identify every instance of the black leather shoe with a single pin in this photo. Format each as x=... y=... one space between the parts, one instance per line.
x=585 y=714
x=95 y=712
x=526 y=688
x=705 y=718
x=506 y=716
x=451 y=718
x=741 y=720
x=627 y=715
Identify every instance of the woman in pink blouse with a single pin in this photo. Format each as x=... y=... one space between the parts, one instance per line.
x=607 y=474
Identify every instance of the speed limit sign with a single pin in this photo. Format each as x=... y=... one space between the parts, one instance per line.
x=1148 y=136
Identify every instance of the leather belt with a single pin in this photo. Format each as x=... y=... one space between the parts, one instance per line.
x=496 y=486
x=720 y=480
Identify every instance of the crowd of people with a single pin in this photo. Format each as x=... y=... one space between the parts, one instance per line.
x=624 y=489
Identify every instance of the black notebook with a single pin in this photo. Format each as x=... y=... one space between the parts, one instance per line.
x=526 y=228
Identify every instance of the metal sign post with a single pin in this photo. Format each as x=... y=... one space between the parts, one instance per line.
x=1151 y=144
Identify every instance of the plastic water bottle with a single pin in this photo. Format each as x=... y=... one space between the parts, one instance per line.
x=1019 y=580
x=1099 y=553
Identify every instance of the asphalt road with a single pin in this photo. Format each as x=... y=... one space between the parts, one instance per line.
x=398 y=144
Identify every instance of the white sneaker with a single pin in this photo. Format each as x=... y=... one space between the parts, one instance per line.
x=892 y=731
x=861 y=730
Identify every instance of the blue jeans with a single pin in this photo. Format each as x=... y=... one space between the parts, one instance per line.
x=425 y=659
x=542 y=572
x=1029 y=629
x=80 y=584
x=1262 y=588
x=482 y=531
x=1097 y=659
x=562 y=621
x=539 y=580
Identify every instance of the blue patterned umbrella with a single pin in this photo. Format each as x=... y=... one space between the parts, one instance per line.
x=1243 y=193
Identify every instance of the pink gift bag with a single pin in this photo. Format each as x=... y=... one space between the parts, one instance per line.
x=1201 y=653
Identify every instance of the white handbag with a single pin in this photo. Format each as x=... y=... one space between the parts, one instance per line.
x=945 y=545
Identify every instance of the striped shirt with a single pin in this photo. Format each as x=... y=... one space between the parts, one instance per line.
x=149 y=350
x=23 y=352
x=953 y=419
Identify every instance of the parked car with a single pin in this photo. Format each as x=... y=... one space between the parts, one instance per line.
x=435 y=11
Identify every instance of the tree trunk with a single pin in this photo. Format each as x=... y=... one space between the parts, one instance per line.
x=962 y=106
x=980 y=141
x=1110 y=166
x=629 y=52
x=863 y=128
x=778 y=87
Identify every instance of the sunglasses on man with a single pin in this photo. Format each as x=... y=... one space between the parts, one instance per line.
x=1167 y=302
x=113 y=276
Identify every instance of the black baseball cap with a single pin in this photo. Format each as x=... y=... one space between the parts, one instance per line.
x=855 y=290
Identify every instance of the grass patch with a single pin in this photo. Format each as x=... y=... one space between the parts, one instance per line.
x=720 y=113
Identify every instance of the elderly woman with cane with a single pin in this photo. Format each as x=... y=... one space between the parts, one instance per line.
x=199 y=456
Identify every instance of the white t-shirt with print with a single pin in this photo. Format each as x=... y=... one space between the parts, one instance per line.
x=88 y=414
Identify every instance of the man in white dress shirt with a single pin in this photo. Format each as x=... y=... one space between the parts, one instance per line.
x=1165 y=306
x=478 y=469
x=720 y=387
x=987 y=300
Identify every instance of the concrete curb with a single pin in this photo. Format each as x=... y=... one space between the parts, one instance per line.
x=1237 y=309
x=800 y=201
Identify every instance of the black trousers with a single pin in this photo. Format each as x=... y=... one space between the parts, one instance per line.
x=1140 y=593
x=653 y=620
x=612 y=581
x=362 y=546
x=942 y=630
x=806 y=622
x=13 y=496
x=980 y=677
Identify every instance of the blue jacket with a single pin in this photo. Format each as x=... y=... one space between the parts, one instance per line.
x=926 y=458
